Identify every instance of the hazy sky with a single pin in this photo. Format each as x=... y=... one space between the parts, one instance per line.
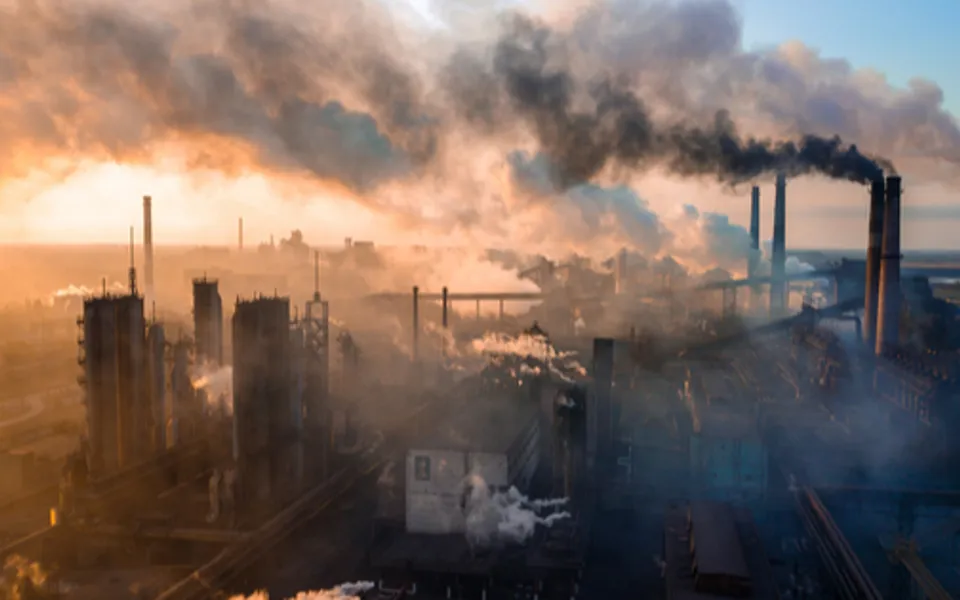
x=898 y=38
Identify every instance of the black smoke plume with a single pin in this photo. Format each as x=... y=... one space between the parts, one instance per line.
x=617 y=128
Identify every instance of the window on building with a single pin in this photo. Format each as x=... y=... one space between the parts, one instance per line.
x=421 y=468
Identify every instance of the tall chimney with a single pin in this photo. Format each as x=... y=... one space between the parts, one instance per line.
x=874 y=248
x=778 y=265
x=148 y=248
x=754 y=257
x=240 y=235
x=888 y=307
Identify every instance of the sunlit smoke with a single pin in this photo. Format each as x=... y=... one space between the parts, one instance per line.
x=82 y=291
x=217 y=384
x=494 y=346
x=22 y=579
x=494 y=518
x=344 y=591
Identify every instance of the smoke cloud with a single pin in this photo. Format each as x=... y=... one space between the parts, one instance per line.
x=217 y=384
x=346 y=591
x=615 y=128
x=415 y=124
x=495 y=518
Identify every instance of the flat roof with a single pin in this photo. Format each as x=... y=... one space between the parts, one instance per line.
x=486 y=424
x=679 y=556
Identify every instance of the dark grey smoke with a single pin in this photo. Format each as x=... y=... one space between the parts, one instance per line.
x=98 y=79
x=616 y=127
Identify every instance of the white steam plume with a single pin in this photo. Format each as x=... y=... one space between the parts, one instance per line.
x=344 y=591
x=217 y=383
x=495 y=518
x=527 y=346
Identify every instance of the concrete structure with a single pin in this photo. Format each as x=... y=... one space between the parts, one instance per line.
x=185 y=408
x=266 y=403
x=498 y=441
x=778 y=266
x=888 y=307
x=874 y=250
x=754 y=259
x=208 y=321
x=148 y=249
x=119 y=422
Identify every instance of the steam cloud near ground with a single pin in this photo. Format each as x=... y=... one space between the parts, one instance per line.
x=495 y=518
x=337 y=93
x=345 y=591
x=217 y=384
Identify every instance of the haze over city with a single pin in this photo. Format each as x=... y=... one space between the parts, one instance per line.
x=844 y=78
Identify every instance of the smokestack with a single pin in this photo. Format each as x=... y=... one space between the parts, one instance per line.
x=778 y=265
x=316 y=276
x=240 y=235
x=416 y=323
x=888 y=306
x=874 y=251
x=620 y=272
x=132 y=271
x=148 y=248
x=754 y=258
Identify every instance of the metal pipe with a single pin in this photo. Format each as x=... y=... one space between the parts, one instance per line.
x=445 y=296
x=148 y=247
x=754 y=258
x=779 y=256
x=874 y=248
x=416 y=323
x=888 y=306
x=443 y=342
x=316 y=275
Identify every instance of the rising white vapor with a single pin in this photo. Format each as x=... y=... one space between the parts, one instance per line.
x=217 y=384
x=344 y=591
x=495 y=518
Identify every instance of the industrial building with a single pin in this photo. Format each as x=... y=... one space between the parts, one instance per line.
x=755 y=448
x=208 y=321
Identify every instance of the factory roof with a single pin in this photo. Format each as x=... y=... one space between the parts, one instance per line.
x=709 y=547
x=485 y=424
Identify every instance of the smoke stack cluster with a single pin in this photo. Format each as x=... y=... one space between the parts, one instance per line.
x=754 y=258
x=778 y=288
x=148 y=248
x=874 y=249
x=888 y=307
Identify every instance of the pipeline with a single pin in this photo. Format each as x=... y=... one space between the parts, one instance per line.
x=850 y=578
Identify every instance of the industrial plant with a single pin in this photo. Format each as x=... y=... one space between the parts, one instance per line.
x=629 y=427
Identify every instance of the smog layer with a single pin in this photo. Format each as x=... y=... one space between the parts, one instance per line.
x=560 y=109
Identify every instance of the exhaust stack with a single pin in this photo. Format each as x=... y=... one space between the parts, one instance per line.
x=240 y=235
x=754 y=258
x=778 y=291
x=888 y=307
x=148 y=248
x=874 y=252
